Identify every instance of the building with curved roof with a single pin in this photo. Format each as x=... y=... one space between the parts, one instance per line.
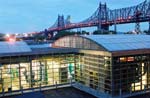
x=117 y=65
x=103 y=65
x=109 y=43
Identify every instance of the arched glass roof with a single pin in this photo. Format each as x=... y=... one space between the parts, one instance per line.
x=77 y=42
x=122 y=42
x=105 y=42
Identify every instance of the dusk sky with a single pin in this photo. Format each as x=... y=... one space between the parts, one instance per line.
x=21 y=16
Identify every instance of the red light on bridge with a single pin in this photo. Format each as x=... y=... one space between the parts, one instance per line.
x=129 y=17
x=89 y=24
x=107 y=22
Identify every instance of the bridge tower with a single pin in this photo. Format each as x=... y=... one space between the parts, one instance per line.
x=102 y=17
x=137 y=25
x=137 y=28
x=61 y=21
x=68 y=19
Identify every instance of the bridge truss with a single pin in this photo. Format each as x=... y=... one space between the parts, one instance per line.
x=104 y=17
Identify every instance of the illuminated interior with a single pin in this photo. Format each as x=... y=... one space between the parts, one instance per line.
x=41 y=71
x=131 y=74
x=94 y=72
x=114 y=65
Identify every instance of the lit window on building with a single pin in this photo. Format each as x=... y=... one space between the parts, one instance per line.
x=130 y=59
x=123 y=59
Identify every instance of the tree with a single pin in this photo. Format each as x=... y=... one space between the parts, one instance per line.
x=39 y=37
x=146 y=32
x=85 y=32
x=63 y=33
x=2 y=35
x=96 y=32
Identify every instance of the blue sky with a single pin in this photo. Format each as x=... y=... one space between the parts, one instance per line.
x=21 y=16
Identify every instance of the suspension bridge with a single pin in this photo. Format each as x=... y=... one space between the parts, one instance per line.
x=104 y=17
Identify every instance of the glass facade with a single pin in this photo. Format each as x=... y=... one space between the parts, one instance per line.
x=96 y=65
x=94 y=71
x=131 y=74
x=114 y=75
x=25 y=72
x=118 y=75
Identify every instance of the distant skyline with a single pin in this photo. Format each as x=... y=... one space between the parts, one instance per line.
x=23 y=16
